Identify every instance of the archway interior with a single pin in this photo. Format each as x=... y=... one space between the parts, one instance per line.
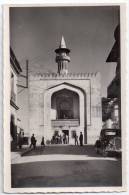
x=65 y=105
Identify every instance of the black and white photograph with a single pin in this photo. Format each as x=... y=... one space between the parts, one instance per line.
x=65 y=120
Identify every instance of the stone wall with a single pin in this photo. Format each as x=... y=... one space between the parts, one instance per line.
x=88 y=83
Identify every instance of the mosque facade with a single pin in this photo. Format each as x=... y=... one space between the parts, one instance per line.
x=64 y=103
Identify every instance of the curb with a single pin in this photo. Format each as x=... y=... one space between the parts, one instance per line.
x=27 y=151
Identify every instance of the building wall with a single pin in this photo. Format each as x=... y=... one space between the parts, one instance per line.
x=93 y=130
x=88 y=83
x=13 y=94
x=13 y=107
x=23 y=114
x=13 y=84
x=14 y=113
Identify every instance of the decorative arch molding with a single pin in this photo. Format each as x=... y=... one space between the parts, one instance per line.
x=67 y=84
x=47 y=106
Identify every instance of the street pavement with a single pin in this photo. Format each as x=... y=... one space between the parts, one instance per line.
x=65 y=166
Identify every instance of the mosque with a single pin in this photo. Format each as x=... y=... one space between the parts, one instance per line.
x=65 y=103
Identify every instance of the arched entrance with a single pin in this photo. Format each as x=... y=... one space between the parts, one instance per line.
x=65 y=105
x=64 y=111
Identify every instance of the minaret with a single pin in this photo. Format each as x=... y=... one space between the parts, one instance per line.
x=62 y=57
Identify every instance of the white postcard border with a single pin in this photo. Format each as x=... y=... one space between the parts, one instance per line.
x=7 y=156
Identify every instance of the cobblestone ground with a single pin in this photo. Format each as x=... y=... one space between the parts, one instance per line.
x=37 y=168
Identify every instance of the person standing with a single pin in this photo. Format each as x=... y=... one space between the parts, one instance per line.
x=64 y=138
x=20 y=140
x=67 y=139
x=42 y=142
x=60 y=139
x=81 y=139
x=76 y=140
x=33 y=141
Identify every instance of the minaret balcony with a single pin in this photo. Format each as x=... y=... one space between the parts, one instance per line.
x=61 y=58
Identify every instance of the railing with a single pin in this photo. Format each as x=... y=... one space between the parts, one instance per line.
x=65 y=122
x=13 y=96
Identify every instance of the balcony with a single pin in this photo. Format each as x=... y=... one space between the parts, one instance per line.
x=65 y=122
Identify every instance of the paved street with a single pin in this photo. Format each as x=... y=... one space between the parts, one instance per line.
x=62 y=166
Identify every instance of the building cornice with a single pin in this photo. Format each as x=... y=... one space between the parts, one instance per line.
x=70 y=76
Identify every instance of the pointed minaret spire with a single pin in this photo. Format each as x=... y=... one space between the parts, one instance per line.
x=62 y=57
x=62 y=43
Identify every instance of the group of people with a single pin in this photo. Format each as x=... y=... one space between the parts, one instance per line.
x=60 y=139
x=56 y=139
x=64 y=139
x=33 y=142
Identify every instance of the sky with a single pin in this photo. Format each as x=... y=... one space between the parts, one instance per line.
x=88 y=31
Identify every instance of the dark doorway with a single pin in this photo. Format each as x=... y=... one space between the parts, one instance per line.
x=66 y=104
x=65 y=136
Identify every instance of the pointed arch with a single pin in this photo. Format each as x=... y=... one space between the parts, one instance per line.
x=47 y=106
